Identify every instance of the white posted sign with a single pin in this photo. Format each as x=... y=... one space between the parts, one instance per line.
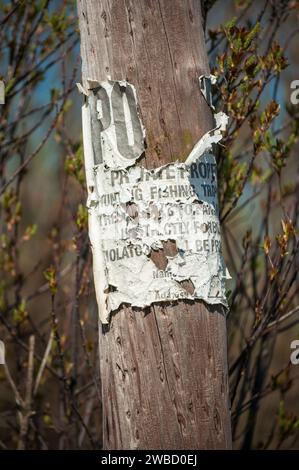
x=132 y=210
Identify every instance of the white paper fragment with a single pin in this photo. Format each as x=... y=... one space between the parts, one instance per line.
x=133 y=211
x=99 y=267
x=81 y=89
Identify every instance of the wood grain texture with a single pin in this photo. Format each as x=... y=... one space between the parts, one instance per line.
x=163 y=369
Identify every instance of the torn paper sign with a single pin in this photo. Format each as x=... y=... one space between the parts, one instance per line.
x=133 y=211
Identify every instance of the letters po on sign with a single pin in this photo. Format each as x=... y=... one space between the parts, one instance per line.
x=117 y=132
x=295 y=94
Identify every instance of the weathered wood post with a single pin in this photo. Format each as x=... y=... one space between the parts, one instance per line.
x=164 y=367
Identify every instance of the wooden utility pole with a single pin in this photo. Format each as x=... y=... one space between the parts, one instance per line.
x=164 y=369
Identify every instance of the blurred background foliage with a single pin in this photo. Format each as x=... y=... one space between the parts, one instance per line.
x=50 y=386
